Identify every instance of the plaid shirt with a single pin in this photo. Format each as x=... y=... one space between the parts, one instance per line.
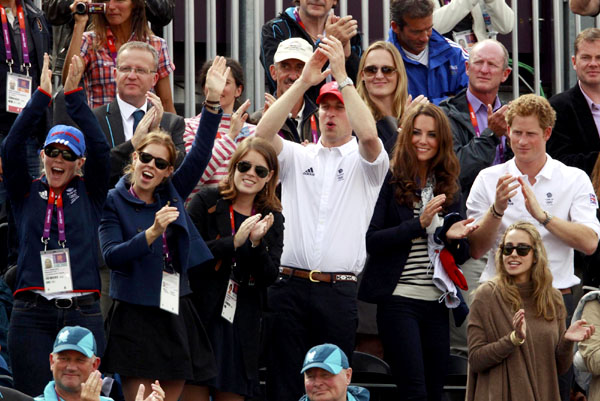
x=98 y=77
x=223 y=148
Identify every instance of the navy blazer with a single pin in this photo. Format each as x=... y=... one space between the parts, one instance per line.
x=389 y=240
x=574 y=140
x=137 y=267
x=255 y=269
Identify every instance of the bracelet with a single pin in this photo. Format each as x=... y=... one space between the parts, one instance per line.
x=516 y=341
x=495 y=213
x=548 y=218
x=212 y=106
x=212 y=101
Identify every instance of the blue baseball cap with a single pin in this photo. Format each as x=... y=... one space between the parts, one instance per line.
x=326 y=356
x=75 y=338
x=68 y=136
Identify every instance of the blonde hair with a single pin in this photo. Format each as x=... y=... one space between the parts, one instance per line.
x=548 y=301
x=401 y=91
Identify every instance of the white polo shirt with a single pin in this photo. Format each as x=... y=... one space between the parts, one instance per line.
x=328 y=197
x=563 y=191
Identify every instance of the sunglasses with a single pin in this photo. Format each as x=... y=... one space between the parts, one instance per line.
x=371 y=70
x=67 y=154
x=160 y=163
x=260 y=171
x=522 y=249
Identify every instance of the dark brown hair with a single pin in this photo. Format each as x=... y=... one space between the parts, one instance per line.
x=444 y=165
x=139 y=24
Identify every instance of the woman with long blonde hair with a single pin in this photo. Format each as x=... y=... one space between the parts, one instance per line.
x=516 y=333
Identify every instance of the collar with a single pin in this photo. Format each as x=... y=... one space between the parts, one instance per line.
x=545 y=172
x=127 y=109
x=344 y=149
x=50 y=393
x=476 y=103
x=588 y=99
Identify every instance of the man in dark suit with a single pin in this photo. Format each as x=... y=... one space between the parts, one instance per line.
x=575 y=139
x=135 y=75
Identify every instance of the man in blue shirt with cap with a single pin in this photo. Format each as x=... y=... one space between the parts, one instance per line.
x=327 y=376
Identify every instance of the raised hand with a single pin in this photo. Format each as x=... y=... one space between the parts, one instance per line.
x=519 y=324
x=506 y=188
x=157 y=393
x=432 y=208
x=165 y=216
x=579 y=331
x=269 y=100
x=410 y=102
x=261 y=228
x=497 y=120
x=342 y=28
x=461 y=229
x=531 y=203
x=157 y=107
x=143 y=127
x=90 y=390
x=238 y=118
x=74 y=75
x=334 y=50
x=79 y=18
x=242 y=234
x=312 y=74
x=216 y=78
x=46 y=76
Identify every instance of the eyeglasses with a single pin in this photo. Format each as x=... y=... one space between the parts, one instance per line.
x=522 y=249
x=160 y=163
x=138 y=71
x=260 y=171
x=371 y=70
x=67 y=154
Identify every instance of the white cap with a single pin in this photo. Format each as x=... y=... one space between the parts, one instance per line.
x=293 y=48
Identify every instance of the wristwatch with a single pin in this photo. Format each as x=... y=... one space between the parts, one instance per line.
x=344 y=83
x=548 y=218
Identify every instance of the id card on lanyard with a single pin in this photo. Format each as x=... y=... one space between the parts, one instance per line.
x=169 y=286
x=18 y=86
x=56 y=263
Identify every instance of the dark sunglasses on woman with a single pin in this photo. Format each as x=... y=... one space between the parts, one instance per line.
x=67 y=154
x=160 y=163
x=522 y=249
x=371 y=70
x=260 y=171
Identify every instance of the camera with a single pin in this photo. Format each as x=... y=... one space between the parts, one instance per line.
x=90 y=8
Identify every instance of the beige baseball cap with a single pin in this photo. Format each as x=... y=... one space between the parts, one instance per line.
x=296 y=48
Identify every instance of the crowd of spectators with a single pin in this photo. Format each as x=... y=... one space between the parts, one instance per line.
x=177 y=256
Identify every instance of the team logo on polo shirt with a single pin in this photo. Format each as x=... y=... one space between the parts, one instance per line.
x=44 y=194
x=340 y=174
x=309 y=171
x=549 y=199
x=72 y=194
x=593 y=200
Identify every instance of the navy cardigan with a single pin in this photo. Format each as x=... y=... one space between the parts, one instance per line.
x=389 y=239
x=136 y=267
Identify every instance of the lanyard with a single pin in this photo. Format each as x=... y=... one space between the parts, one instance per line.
x=6 y=34
x=313 y=129
x=54 y=200
x=166 y=255
x=110 y=39
x=476 y=126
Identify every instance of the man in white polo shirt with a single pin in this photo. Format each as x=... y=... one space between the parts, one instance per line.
x=329 y=190
x=559 y=200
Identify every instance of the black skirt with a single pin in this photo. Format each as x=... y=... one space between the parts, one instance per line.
x=148 y=342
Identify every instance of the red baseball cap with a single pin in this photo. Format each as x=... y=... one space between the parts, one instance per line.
x=330 y=88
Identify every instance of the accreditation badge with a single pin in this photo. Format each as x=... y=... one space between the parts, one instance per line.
x=18 y=92
x=169 y=292
x=230 y=302
x=56 y=269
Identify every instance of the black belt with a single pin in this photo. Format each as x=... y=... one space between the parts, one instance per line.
x=61 y=303
x=316 y=276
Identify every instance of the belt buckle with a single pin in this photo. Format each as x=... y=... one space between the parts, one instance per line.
x=310 y=277
x=57 y=303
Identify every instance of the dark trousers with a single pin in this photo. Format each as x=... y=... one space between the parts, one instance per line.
x=33 y=329
x=303 y=314
x=566 y=380
x=416 y=344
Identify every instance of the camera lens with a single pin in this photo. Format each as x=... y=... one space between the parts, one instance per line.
x=80 y=8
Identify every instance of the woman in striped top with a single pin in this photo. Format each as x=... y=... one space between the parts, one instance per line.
x=419 y=197
x=232 y=129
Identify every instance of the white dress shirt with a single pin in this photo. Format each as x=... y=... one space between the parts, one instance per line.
x=127 y=116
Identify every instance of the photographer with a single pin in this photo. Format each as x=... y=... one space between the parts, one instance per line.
x=122 y=22
x=58 y=12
